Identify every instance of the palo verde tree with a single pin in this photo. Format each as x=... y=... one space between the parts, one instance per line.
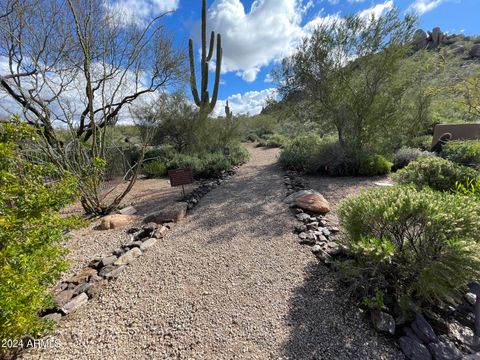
x=203 y=101
x=345 y=72
x=76 y=65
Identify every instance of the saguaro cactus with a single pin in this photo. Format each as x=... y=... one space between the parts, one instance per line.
x=228 y=112
x=203 y=101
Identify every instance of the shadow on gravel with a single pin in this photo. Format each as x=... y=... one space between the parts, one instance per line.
x=325 y=325
x=245 y=199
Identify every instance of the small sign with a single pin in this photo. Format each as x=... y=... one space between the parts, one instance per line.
x=179 y=177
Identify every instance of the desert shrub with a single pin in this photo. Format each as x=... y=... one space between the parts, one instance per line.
x=435 y=172
x=273 y=141
x=423 y=142
x=406 y=155
x=374 y=165
x=162 y=153
x=155 y=169
x=207 y=164
x=420 y=246
x=238 y=155
x=470 y=188
x=299 y=153
x=463 y=152
x=31 y=257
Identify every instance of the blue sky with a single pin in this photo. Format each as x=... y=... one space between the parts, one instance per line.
x=259 y=33
x=255 y=35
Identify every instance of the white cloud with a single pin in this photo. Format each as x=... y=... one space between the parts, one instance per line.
x=250 y=40
x=423 y=6
x=138 y=12
x=377 y=10
x=251 y=102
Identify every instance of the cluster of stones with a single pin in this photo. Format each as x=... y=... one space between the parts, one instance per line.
x=74 y=292
x=206 y=186
x=445 y=334
x=449 y=341
x=312 y=227
x=436 y=38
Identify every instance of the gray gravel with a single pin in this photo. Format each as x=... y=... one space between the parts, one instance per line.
x=229 y=282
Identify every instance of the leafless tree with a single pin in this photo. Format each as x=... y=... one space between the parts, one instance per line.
x=75 y=64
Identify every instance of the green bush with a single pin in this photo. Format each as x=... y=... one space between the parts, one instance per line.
x=273 y=141
x=423 y=142
x=422 y=247
x=437 y=173
x=238 y=155
x=299 y=153
x=31 y=258
x=155 y=169
x=374 y=165
x=470 y=188
x=463 y=152
x=406 y=155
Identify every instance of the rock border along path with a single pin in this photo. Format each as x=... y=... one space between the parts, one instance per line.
x=229 y=281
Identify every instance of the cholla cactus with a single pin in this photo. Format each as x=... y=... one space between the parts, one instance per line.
x=203 y=100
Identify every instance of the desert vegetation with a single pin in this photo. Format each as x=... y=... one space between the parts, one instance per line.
x=359 y=97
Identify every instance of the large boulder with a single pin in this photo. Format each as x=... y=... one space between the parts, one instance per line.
x=171 y=213
x=309 y=200
x=315 y=203
x=475 y=51
x=420 y=40
x=436 y=37
x=116 y=221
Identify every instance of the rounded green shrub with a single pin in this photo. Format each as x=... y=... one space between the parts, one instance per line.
x=465 y=152
x=238 y=155
x=155 y=169
x=406 y=155
x=436 y=173
x=299 y=154
x=374 y=165
x=421 y=246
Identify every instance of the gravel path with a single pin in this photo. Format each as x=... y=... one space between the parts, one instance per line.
x=229 y=282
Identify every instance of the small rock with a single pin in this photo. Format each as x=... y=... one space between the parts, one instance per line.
x=75 y=303
x=471 y=298
x=128 y=257
x=303 y=217
x=316 y=249
x=94 y=263
x=115 y=221
x=109 y=260
x=119 y=252
x=334 y=229
x=53 y=317
x=326 y=232
x=81 y=288
x=94 y=290
x=475 y=356
x=63 y=297
x=444 y=350
x=151 y=226
x=414 y=350
x=160 y=232
x=129 y=210
x=383 y=322
x=148 y=244
x=312 y=226
x=111 y=271
x=299 y=228
x=302 y=235
x=423 y=330
x=136 y=244
x=82 y=276
x=171 y=213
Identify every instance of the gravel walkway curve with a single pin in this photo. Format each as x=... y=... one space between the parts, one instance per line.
x=229 y=282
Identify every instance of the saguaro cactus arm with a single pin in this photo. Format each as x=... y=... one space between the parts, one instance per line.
x=203 y=100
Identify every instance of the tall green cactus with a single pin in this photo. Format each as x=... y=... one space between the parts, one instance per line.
x=203 y=101
x=228 y=112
